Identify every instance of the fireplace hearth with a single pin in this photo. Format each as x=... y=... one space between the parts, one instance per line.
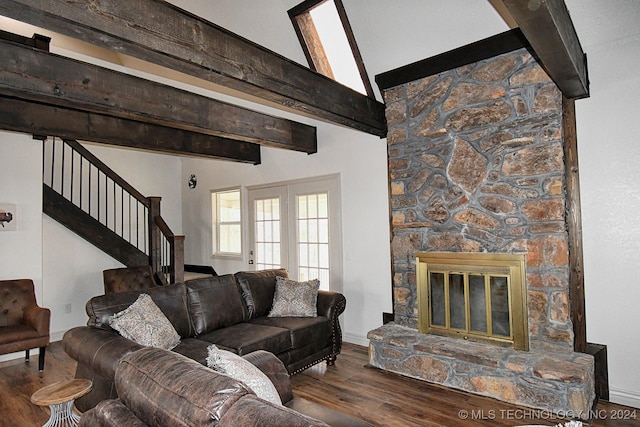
x=476 y=166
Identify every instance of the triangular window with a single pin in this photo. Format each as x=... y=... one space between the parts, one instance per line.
x=328 y=43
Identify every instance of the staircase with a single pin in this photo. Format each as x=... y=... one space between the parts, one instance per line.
x=87 y=197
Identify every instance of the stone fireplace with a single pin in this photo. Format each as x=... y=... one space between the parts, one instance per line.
x=476 y=165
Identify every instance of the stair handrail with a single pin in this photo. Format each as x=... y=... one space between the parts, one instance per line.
x=106 y=170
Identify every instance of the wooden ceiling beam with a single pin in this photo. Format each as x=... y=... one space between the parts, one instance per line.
x=159 y=32
x=548 y=27
x=43 y=77
x=46 y=120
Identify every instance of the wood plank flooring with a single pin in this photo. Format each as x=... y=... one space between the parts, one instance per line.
x=382 y=398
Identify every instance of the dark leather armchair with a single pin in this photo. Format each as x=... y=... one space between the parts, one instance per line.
x=23 y=324
x=128 y=279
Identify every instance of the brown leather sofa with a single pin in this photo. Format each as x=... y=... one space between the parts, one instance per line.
x=161 y=388
x=23 y=324
x=205 y=311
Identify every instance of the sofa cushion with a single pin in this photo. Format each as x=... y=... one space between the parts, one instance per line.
x=303 y=330
x=259 y=288
x=215 y=302
x=243 y=338
x=241 y=369
x=170 y=299
x=163 y=388
x=295 y=299
x=144 y=323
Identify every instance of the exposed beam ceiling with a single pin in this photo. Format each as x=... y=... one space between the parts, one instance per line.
x=160 y=33
x=46 y=120
x=548 y=27
x=42 y=77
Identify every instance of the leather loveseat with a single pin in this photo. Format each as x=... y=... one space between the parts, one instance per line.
x=229 y=311
x=161 y=388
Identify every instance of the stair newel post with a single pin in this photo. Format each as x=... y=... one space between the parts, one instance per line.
x=177 y=258
x=155 y=235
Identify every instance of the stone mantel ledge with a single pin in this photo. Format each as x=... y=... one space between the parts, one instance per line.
x=560 y=382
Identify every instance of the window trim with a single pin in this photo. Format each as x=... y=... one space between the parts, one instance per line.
x=215 y=225
x=314 y=48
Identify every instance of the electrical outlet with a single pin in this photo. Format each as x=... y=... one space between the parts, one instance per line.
x=67 y=308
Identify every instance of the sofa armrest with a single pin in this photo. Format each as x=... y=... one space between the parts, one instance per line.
x=39 y=318
x=110 y=413
x=97 y=349
x=275 y=370
x=331 y=304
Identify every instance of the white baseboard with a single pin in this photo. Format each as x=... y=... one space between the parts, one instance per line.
x=624 y=397
x=53 y=336
x=355 y=339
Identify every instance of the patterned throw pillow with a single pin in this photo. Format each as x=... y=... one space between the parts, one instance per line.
x=295 y=299
x=240 y=369
x=144 y=323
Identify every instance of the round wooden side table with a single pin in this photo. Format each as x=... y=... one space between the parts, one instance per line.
x=60 y=397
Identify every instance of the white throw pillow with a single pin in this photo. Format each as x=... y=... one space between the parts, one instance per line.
x=236 y=367
x=144 y=323
x=295 y=299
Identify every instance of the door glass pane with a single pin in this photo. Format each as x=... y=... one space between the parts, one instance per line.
x=267 y=233
x=313 y=238
x=313 y=230
x=302 y=207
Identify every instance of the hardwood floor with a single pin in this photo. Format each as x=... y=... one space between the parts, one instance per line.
x=382 y=398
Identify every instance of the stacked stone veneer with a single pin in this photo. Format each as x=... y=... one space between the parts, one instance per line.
x=476 y=164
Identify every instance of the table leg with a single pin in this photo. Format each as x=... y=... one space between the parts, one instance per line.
x=62 y=415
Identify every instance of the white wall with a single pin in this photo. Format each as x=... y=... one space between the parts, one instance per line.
x=609 y=155
x=21 y=185
x=360 y=159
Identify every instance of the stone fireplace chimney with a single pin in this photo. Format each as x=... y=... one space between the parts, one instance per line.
x=476 y=165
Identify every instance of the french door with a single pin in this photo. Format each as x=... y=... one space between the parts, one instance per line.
x=297 y=226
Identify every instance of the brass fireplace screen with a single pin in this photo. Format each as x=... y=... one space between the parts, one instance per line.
x=474 y=296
